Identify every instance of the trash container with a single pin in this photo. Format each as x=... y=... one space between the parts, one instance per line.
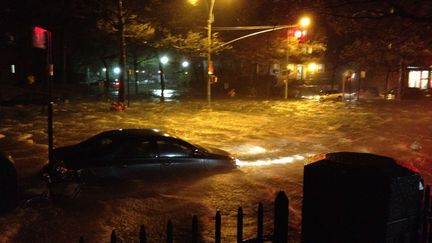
x=360 y=197
x=8 y=184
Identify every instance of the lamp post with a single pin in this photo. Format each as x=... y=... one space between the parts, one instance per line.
x=210 y=20
x=286 y=66
x=162 y=61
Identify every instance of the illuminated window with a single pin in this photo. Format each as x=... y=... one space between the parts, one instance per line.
x=291 y=67
x=418 y=79
x=320 y=68
x=414 y=79
x=424 y=79
x=299 y=73
x=430 y=79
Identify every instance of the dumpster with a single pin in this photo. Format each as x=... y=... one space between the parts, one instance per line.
x=360 y=197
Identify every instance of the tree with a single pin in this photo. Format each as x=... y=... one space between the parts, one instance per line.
x=122 y=20
x=374 y=34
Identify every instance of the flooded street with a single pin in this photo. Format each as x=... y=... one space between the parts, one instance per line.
x=271 y=139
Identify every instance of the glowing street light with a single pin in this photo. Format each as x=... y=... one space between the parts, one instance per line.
x=185 y=64
x=164 y=60
x=304 y=22
x=116 y=70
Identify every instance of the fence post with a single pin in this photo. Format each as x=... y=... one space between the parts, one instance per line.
x=81 y=240
x=142 y=234
x=240 y=225
x=260 y=223
x=281 y=218
x=169 y=231
x=194 y=229
x=218 y=227
x=113 y=237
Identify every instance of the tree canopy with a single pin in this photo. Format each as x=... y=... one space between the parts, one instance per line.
x=361 y=33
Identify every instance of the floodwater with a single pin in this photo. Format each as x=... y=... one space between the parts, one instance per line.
x=273 y=140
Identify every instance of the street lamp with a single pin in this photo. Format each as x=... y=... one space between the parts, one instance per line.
x=210 y=21
x=304 y=22
x=185 y=64
x=164 y=60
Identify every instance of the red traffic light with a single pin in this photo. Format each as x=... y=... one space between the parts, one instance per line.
x=300 y=35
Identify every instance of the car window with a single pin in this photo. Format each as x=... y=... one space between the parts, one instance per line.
x=97 y=142
x=172 y=149
x=138 y=149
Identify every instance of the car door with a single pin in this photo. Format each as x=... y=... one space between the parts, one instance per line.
x=178 y=158
x=97 y=156
x=137 y=159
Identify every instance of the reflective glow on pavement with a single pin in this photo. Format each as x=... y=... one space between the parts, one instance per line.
x=256 y=150
x=266 y=162
x=168 y=93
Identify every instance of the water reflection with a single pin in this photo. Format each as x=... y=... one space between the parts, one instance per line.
x=266 y=162
x=168 y=93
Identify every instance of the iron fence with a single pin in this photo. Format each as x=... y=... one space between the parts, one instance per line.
x=280 y=227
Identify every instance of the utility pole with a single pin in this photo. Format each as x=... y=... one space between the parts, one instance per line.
x=122 y=58
x=50 y=74
x=286 y=65
x=42 y=39
x=209 y=50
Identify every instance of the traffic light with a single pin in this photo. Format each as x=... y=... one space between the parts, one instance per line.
x=300 y=35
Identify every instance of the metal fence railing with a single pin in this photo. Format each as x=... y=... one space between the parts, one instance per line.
x=280 y=227
x=280 y=219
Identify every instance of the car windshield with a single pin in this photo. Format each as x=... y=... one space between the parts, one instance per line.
x=201 y=148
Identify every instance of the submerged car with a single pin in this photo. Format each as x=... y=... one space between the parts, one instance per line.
x=406 y=94
x=137 y=154
x=330 y=95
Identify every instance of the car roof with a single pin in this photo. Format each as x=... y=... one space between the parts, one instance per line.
x=136 y=132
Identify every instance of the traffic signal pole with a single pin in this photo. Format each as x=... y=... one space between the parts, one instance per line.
x=209 y=51
x=286 y=59
x=50 y=74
